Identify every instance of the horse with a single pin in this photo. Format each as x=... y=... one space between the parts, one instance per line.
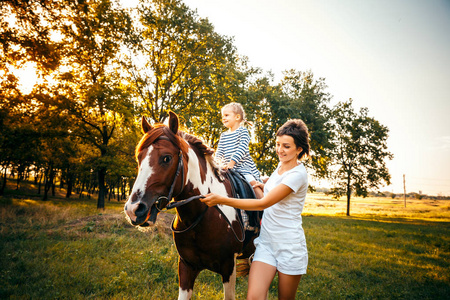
x=175 y=164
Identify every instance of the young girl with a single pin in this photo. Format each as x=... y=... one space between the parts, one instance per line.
x=281 y=245
x=233 y=146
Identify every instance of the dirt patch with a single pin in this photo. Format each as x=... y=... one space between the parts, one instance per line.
x=104 y=222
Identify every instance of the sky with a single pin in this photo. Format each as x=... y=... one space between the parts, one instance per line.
x=391 y=56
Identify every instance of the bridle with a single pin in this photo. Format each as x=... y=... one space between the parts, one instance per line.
x=163 y=202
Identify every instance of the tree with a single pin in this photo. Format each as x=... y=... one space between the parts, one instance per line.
x=298 y=95
x=180 y=63
x=359 y=153
x=266 y=106
x=308 y=101
x=25 y=38
x=90 y=86
x=26 y=28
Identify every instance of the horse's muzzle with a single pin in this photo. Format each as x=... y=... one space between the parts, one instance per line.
x=141 y=214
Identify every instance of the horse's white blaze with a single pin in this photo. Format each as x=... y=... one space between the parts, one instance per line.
x=140 y=184
x=184 y=294
x=211 y=183
x=145 y=171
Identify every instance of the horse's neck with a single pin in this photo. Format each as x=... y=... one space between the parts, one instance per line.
x=202 y=174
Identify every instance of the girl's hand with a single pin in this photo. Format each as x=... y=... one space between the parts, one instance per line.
x=230 y=165
x=212 y=199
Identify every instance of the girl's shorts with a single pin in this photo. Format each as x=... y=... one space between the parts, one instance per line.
x=249 y=177
x=288 y=258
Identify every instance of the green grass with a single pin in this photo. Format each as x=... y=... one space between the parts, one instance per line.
x=61 y=249
x=361 y=259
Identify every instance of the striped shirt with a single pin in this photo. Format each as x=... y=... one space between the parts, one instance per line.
x=234 y=146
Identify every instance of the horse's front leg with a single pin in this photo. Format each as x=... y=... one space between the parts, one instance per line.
x=186 y=278
x=229 y=281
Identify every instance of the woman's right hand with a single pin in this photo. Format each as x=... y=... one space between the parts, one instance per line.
x=212 y=199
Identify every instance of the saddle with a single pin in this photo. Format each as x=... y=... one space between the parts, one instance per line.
x=250 y=219
x=243 y=190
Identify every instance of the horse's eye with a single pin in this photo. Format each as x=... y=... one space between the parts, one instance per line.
x=166 y=159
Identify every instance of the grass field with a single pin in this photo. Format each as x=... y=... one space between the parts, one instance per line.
x=66 y=249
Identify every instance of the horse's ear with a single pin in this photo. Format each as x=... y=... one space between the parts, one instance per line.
x=146 y=127
x=173 y=122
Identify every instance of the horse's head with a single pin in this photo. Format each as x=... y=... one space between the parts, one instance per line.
x=160 y=160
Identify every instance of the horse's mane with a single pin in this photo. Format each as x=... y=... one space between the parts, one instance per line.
x=159 y=130
x=197 y=143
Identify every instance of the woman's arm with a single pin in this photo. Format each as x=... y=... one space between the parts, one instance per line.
x=277 y=194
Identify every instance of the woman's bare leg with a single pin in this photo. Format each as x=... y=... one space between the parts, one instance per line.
x=259 y=280
x=287 y=286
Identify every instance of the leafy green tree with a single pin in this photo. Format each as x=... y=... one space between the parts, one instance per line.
x=122 y=168
x=358 y=158
x=90 y=88
x=265 y=108
x=25 y=34
x=298 y=95
x=17 y=132
x=309 y=101
x=25 y=38
x=180 y=63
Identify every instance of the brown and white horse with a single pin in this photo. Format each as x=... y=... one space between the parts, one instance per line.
x=174 y=163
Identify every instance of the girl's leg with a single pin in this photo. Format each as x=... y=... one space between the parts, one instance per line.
x=259 y=280
x=287 y=286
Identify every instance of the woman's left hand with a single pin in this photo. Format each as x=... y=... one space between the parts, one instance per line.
x=212 y=199
x=258 y=184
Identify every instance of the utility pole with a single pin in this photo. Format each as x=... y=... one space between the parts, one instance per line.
x=404 y=189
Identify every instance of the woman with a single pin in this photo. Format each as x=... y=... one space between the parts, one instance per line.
x=281 y=245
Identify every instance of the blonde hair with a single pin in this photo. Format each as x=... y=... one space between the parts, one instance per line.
x=237 y=109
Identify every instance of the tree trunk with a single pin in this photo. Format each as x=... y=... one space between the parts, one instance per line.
x=69 y=185
x=40 y=183
x=110 y=192
x=349 y=194
x=48 y=181
x=53 y=187
x=101 y=188
x=2 y=189
x=20 y=176
x=82 y=189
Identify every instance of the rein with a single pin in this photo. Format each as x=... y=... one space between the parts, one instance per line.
x=163 y=202
x=200 y=217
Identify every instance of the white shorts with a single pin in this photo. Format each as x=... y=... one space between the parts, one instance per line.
x=288 y=258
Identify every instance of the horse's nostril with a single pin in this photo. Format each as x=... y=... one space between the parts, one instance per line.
x=141 y=210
